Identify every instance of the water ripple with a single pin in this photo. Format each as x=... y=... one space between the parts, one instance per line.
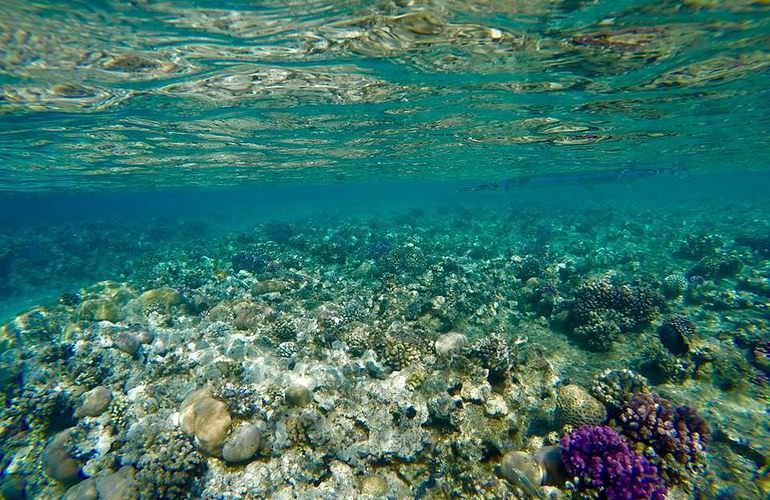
x=114 y=93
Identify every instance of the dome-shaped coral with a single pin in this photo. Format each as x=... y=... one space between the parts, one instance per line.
x=676 y=333
x=205 y=418
x=575 y=406
x=242 y=444
x=407 y=259
x=674 y=285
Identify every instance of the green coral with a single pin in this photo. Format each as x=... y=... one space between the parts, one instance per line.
x=660 y=366
x=242 y=400
x=407 y=259
x=358 y=340
x=118 y=418
x=614 y=388
x=717 y=266
x=88 y=367
x=285 y=329
x=169 y=467
x=398 y=353
x=495 y=353
x=41 y=410
x=600 y=331
x=602 y=310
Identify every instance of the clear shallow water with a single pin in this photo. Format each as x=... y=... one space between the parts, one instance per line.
x=346 y=182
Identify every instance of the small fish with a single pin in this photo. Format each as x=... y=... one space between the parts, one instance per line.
x=492 y=186
x=527 y=487
x=639 y=173
x=581 y=178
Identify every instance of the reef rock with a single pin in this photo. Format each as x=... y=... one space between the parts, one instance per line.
x=84 y=490
x=119 y=485
x=128 y=342
x=100 y=310
x=242 y=444
x=58 y=463
x=95 y=402
x=374 y=486
x=11 y=361
x=206 y=419
x=450 y=343
x=161 y=300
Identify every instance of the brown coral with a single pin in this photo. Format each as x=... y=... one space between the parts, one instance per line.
x=205 y=418
x=575 y=407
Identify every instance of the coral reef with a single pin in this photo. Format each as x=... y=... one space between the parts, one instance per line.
x=398 y=354
x=717 y=266
x=659 y=365
x=168 y=467
x=600 y=331
x=254 y=262
x=242 y=400
x=394 y=359
x=697 y=246
x=407 y=259
x=496 y=353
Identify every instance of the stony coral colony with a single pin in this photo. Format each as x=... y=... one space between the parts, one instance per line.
x=381 y=360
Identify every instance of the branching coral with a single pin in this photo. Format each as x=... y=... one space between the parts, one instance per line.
x=675 y=437
x=603 y=465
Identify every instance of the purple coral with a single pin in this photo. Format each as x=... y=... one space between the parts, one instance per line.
x=377 y=249
x=760 y=355
x=653 y=421
x=254 y=262
x=692 y=434
x=601 y=463
x=676 y=434
x=649 y=419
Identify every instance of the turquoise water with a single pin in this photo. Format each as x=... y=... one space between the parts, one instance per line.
x=398 y=245
x=147 y=94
